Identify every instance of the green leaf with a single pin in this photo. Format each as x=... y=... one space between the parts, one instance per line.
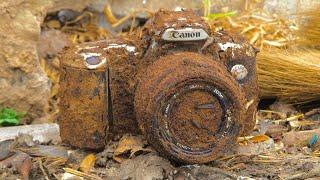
x=9 y=117
x=221 y=15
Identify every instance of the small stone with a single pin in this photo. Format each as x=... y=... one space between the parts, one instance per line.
x=284 y=109
x=149 y=166
x=299 y=138
x=275 y=131
x=20 y=161
x=5 y=149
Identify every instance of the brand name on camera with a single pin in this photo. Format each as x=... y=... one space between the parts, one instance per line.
x=187 y=34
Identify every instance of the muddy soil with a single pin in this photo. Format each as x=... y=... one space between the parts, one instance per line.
x=47 y=161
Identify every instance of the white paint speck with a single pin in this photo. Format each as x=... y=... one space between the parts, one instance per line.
x=177 y=9
x=115 y=46
x=231 y=45
x=131 y=48
x=89 y=54
x=227 y=45
x=198 y=24
x=90 y=47
x=219 y=33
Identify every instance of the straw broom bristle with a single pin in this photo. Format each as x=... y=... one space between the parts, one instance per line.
x=309 y=32
x=291 y=75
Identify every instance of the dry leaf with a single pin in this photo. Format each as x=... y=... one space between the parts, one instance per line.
x=87 y=163
x=259 y=138
x=252 y=139
x=129 y=145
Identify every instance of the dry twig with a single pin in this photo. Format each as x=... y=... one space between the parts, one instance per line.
x=81 y=174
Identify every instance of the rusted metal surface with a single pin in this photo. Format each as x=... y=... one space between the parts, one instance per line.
x=83 y=120
x=122 y=70
x=105 y=68
x=83 y=101
x=190 y=92
x=232 y=50
x=190 y=108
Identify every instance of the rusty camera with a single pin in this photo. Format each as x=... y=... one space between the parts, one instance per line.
x=190 y=91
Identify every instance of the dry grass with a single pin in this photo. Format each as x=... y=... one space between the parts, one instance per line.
x=262 y=29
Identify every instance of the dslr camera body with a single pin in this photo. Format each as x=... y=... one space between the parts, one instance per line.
x=189 y=91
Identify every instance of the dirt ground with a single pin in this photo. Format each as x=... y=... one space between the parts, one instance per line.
x=130 y=157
